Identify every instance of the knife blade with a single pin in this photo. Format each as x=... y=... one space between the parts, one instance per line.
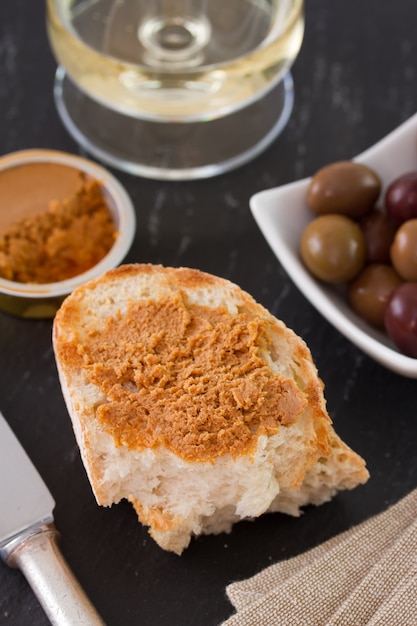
x=28 y=537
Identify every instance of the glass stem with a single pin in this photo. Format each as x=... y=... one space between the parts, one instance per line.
x=175 y=31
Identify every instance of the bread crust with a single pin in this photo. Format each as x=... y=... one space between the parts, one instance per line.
x=177 y=381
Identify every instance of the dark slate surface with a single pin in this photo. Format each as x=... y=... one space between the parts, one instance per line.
x=355 y=80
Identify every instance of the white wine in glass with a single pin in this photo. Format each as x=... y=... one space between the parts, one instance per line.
x=175 y=89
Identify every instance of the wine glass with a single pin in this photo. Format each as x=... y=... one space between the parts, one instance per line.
x=174 y=89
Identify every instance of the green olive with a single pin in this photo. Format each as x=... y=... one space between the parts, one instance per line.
x=333 y=248
x=344 y=187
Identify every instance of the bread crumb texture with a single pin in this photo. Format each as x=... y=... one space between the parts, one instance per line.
x=68 y=238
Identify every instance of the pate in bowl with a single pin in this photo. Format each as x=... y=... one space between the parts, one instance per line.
x=64 y=220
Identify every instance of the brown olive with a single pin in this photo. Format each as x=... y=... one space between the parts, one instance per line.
x=369 y=292
x=404 y=250
x=379 y=231
x=333 y=248
x=344 y=187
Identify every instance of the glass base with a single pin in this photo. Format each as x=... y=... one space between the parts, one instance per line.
x=173 y=150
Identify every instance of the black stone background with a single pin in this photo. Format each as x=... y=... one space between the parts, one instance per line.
x=355 y=80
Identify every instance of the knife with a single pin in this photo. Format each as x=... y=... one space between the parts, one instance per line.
x=28 y=537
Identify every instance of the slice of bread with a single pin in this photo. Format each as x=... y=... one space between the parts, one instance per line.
x=192 y=401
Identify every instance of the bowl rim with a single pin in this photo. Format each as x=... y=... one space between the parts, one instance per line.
x=125 y=213
x=264 y=205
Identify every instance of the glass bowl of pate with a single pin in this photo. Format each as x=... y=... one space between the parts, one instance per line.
x=63 y=221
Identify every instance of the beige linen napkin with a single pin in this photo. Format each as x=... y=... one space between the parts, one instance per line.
x=366 y=575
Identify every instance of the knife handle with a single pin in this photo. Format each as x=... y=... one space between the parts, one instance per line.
x=52 y=581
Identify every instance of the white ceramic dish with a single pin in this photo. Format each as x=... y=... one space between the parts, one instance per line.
x=30 y=300
x=281 y=214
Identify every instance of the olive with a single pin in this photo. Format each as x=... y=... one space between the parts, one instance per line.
x=401 y=197
x=333 y=248
x=379 y=231
x=401 y=318
x=404 y=250
x=344 y=187
x=369 y=292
